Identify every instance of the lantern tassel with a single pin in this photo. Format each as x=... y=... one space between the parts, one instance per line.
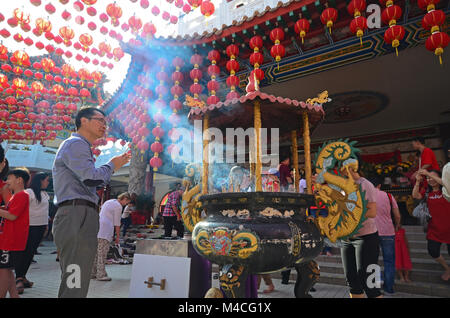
x=440 y=59
x=360 y=40
x=329 y=29
x=278 y=65
x=396 y=51
x=303 y=40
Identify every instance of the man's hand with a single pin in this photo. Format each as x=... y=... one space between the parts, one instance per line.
x=120 y=161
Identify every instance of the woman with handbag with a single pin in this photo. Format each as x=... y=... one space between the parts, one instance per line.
x=438 y=231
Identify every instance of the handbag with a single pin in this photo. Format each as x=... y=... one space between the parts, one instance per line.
x=422 y=213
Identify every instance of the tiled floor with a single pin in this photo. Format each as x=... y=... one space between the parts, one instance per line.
x=46 y=276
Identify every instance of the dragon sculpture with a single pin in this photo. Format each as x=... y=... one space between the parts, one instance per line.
x=191 y=208
x=341 y=195
x=322 y=98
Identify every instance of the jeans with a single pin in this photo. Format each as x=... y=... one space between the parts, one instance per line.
x=387 y=244
x=126 y=222
x=35 y=234
x=357 y=254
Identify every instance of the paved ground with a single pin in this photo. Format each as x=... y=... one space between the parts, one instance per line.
x=46 y=276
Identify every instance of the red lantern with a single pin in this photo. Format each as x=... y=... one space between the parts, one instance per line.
x=155 y=163
x=232 y=81
x=394 y=35
x=21 y=17
x=86 y=40
x=302 y=27
x=256 y=43
x=114 y=11
x=256 y=59
x=118 y=53
x=437 y=42
x=3 y=80
x=391 y=14
x=358 y=25
x=47 y=64
x=433 y=19
x=232 y=66
x=148 y=31
x=20 y=58
x=67 y=34
x=43 y=26
x=50 y=8
x=207 y=8
x=355 y=7
x=427 y=5
x=328 y=17
x=97 y=76
x=135 y=24
x=232 y=51
x=277 y=51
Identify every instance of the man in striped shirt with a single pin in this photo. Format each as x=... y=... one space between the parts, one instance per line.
x=172 y=213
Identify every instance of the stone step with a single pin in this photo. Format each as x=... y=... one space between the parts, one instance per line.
x=416 y=288
x=417 y=275
x=413 y=228
x=417 y=263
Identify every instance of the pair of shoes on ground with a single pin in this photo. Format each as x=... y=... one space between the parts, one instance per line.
x=21 y=284
x=269 y=289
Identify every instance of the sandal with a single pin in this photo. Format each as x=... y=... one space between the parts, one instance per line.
x=20 y=286
x=27 y=283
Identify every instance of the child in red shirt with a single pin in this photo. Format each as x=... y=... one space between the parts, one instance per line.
x=15 y=221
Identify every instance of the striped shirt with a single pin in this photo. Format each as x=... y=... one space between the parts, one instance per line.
x=172 y=201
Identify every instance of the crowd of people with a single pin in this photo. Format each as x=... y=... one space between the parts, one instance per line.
x=83 y=232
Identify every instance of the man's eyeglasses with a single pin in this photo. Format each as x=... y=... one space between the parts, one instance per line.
x=101 y=120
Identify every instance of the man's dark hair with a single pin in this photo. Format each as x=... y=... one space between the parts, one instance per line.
x=376 y=181
x=4 y=172
x=21 y=173
x=419 y=139
x=86 y=112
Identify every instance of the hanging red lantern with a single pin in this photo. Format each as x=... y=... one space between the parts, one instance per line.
x=155 y=163
x=256 y=43
x=302 y=27
x=3 y=80
x=232 y=66
x=21 y=17
x=394 y=35
x=57 y=89
x=427 y=5
x=207 y=8
x=433 y=19
x=148 y=31
x=118 y=54
x=67 y=34
x=195 y=3
x=232 y=51
x=355 y=7
x=86 y=40
x=47 y=64
x=391 y=14
x=328 y=17
x=43 y=26
x=20 y=58
x=155 y=11
x=114 y=12
x=50 y=8
x=36 y=3
x=256 y=59
x=357 y=26
x=97 y=77
x=144 y=3
x=135 y=24
x=277 y=51
x=436 y=43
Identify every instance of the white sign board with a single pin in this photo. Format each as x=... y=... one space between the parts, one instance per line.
x=175 y=271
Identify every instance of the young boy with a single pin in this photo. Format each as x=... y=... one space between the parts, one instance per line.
x=14 y=226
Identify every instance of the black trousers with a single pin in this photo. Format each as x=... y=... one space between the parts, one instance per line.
x=434 y=248
x=170 y=222
x=357 y=254
x=24 y=258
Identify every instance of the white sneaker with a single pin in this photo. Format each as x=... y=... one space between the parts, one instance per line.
x=104 y=279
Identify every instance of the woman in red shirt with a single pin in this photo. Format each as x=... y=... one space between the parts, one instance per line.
x=439 y=208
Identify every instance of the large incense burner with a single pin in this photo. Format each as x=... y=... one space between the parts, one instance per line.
x=257 y=232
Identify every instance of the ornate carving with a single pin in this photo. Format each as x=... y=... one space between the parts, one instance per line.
x=224 y=242
x=322 y=98
x=193 y=102
x=342 y=196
